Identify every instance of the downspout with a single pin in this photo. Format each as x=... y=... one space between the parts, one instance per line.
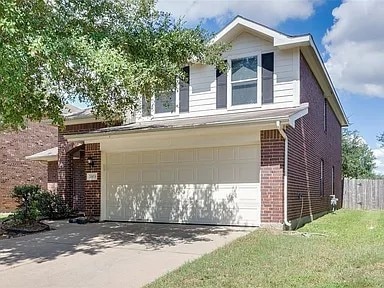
x=282 y=132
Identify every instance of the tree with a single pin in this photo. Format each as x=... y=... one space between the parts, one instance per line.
x=380 y=138
x=357 y=157
x=102 y=52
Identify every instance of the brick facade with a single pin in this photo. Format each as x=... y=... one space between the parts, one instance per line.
x=14 y=168
x=92 y=189
x=272 y=176
x=80 y=194
x=308 y=144
x=52 y=176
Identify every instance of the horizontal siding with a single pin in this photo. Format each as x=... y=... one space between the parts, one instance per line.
x=203 y=92
x=203 y=77
x=203 y=81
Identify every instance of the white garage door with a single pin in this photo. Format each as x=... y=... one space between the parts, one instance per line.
x=203 y=186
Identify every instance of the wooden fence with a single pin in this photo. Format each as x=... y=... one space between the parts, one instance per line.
x=366 y=194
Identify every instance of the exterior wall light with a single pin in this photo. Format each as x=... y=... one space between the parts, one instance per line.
x=90 y=161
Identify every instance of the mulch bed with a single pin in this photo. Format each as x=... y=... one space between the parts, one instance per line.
x=7 y=230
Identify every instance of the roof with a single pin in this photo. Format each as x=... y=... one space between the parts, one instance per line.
x=79 y=114
x=46 y=155
x=69 y=108
x=270 y=116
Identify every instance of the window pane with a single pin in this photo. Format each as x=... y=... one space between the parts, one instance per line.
x=165 y=102
x=245 y=68
x=244 y=93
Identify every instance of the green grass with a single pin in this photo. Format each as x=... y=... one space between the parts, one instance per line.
x=3 y=216
x=338 y=250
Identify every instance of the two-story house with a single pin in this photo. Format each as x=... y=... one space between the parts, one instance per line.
x=260 y=144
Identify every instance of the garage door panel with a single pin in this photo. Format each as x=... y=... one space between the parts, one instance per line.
x=205 y=174
x=131 y=158
x=149 y=175
x=226 y=153
x=185 y=156
x=149 y=157
x=167 y=175
x=185 y=175
x=131 y=175
x=116 y=175
x=167 y=156
x=226 y=173
x=247 y=152
x=205 y=154
x=203 y=186
x=247 y=173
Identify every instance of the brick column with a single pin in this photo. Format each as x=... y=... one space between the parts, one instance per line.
x=92 y=188
x=272 y=177
x=64 y=173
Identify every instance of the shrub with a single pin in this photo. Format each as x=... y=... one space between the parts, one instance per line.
x=52 y=205
x=26 y=197
x=35 y=202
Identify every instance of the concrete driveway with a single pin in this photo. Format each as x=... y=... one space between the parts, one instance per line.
x=105 y=254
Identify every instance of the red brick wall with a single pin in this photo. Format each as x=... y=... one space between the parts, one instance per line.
x=14 y=168
x=65 y=179
x=52 y=172
x=92 y=189
x=78 y=170
x=79 y=193
x=52 y=176
x=308 y=144
x=272 y=176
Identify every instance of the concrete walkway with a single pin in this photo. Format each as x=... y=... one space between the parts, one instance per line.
x=105 y=254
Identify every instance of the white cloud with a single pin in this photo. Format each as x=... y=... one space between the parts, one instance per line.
x=355 y=47
x=271 y=12
x=379 y=154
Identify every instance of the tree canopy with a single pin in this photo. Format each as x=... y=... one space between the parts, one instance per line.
x=102 y=52
x=358 y=160
x=380 y=138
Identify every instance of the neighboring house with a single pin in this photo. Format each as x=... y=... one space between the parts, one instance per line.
x=259 y=145
x=14 y=168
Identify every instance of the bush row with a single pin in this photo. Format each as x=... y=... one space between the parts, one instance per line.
x=35 y=203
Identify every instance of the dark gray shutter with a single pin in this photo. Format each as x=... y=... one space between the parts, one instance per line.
x=145 y=106
x=184 y=92
x=221 y=89
x=267 y=64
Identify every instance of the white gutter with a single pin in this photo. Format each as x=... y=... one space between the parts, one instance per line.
x=282 y=132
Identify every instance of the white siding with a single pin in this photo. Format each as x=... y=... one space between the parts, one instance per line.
x=203 y=88
x=286 y=78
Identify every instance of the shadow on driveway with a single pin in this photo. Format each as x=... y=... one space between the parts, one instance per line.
x=69 y=239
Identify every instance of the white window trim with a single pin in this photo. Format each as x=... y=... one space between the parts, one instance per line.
x=258 y=82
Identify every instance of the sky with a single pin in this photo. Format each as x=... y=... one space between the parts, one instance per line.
x=349 y=35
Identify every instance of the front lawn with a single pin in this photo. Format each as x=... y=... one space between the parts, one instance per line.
x=338 y=250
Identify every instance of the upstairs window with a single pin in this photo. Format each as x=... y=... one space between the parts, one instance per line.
x=244 y=81
x=170 y=102
x=165 y=102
